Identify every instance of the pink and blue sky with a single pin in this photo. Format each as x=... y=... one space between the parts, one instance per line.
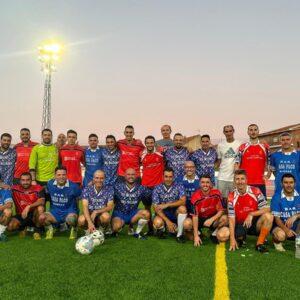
x=196 y=65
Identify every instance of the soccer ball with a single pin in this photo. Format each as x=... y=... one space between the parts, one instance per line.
x=98 y=237
x=85 y=245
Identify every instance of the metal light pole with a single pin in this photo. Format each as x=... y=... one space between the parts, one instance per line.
x=49 y=54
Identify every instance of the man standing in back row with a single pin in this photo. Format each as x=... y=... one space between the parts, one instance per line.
x=227 y=152
x=131 y=150
x=23 y=150
x=166 y=141
x=71 y=157
x=43 y=160
x=253 y=158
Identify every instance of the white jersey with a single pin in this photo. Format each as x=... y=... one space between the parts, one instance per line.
x=227 y=153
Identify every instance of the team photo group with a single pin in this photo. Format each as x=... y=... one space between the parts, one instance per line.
x=158 y=188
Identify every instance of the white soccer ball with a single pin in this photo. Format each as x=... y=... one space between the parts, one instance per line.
x=98 y=237
x=85 y=245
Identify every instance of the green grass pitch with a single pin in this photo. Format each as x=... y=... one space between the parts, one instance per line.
x=126 y=268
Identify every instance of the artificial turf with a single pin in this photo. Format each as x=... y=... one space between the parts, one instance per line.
x=126 y=268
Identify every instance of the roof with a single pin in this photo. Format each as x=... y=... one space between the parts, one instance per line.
x=282 y=129
x=190 y=138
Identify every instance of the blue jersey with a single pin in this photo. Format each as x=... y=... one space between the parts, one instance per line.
x=64 y=198
x=163 y=194
x=126 y=199
x=98 y=200
x=110 y=165
x=7 y=165
x=5 y=196
x=93 y=162
x=285 y=207
x=205 y=162
x=190 y=186
x=175 y=159
x=282 y=163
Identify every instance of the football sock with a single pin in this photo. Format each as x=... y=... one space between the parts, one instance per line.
x=180 y=220
x=262 y=235
x=2 y=228
x=49 y=227
x=140 y=225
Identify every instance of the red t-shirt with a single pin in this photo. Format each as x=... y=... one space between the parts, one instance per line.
x=23 y=197
x=239 y=206
x=253 y=159
x=130 y=156
x=72 y=157
x=153 y=168
x=23 y=154
x=206 y=206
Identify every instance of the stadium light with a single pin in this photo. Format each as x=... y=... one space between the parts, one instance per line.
x=49 y=54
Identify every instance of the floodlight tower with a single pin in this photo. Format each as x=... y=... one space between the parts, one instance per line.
x=49 y=54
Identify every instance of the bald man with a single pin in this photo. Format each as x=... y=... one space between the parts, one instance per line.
x=127 y=197
x=166 y=141
x=97 y=203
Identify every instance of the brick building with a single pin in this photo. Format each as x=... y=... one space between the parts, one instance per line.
x=272 y=137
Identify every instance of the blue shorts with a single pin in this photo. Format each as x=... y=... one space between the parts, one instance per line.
x=171 y=214
x=125 y=217
x=61 y=216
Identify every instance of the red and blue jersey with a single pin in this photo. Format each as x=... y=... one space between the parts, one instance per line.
x=127 y=199
x=63 y=198
x=175 y=159
x=240 y=205
x=285 y=207
x=130 y=156
x=253 y=158
x=22 y=160
x=24 y=197
x=205 y=162
x=71 y=157
x=93 y=162
x=282 y=163
x=98 y=200
x=153 y=168
x=111 y=160
x=206 y=205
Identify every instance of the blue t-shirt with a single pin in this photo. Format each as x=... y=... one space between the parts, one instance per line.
x=205 y=162
x=282 y=163
x=93 y=162
x=163 y=194
x=98 y=200
x=110 y=165
x=5 y=196
x=175 y=159
x=190 y=186
x=127 y=200
x=63 y=199
x=284 y=207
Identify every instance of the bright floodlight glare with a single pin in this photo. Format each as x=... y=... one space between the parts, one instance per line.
x=50 y=52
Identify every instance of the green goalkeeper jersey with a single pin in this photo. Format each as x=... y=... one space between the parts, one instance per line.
x=44 y=160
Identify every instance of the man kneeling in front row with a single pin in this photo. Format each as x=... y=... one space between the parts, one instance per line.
x=64 y=196
x=208 y=212
x=97 y=202
x=248 y=214
x=29 y=201
x=285 y=207
x=168 y=200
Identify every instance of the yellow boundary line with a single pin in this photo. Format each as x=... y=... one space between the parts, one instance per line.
x=221 y=277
